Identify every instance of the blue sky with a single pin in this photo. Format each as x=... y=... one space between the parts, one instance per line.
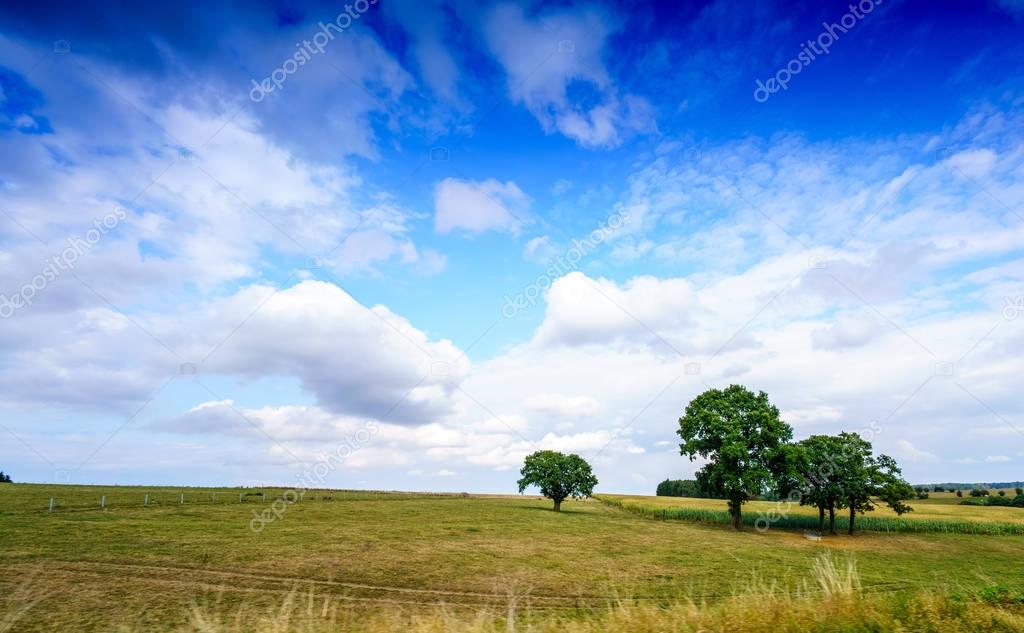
x=459 y=232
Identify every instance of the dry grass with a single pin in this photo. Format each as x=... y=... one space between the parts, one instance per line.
x=830 y=600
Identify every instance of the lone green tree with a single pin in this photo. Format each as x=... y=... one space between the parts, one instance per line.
x=745 y=441
x=559 y=476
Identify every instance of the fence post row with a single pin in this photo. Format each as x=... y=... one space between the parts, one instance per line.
x=181 y=500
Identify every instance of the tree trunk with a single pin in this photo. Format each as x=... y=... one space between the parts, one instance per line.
x=821 y=519
x=832 y=518
x=558 y=505
x=735 y=511
x=853 y=515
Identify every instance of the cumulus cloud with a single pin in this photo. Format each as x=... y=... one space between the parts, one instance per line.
x=551 y=56
x=357 y=360
x=478 y=206
x=584 y=311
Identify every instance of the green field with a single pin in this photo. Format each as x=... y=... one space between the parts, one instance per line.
x=447 y=562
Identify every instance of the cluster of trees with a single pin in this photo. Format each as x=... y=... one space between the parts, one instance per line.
x=998 y=500
x=679 y=488
x=4 y=479
x=750 y=452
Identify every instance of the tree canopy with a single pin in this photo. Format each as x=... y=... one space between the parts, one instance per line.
x=558 y=476
x=820 y=481
x=745 y=441
x=679 y=488
x=840 y=471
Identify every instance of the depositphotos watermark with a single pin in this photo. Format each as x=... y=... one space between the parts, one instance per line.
x=61 y=263
x=813 y=48
x=564 y=263
x=307 y=49
x=313 y=477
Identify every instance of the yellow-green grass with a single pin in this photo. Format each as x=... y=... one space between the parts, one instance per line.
x=928 y=515
x=397 y=555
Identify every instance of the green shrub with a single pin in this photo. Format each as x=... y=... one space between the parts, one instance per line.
x=1001 y=594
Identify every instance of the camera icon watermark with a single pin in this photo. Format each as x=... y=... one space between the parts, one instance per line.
x=440 y=370
x=817 y=262
x=439 y=154
x=691 y=369
x=566 y=46
x=188 y=369
x=945 y=369
x=61 y=47
x=314 y=263
x=1013 y=307
x=62 y=476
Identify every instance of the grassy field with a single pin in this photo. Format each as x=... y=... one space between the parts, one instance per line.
x=451 y=563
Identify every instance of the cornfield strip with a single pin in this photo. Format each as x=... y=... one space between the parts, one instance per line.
x=797 y=522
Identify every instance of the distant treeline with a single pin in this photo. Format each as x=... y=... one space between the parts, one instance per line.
x=679 y=488
x=962 y=486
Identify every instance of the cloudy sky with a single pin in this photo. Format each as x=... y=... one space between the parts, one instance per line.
x=423 y=239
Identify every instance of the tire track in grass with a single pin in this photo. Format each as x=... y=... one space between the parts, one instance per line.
x=209 y=578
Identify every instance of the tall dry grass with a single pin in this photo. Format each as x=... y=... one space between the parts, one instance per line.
x=831 y=599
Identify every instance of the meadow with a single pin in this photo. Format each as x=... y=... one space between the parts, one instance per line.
x=378 y=561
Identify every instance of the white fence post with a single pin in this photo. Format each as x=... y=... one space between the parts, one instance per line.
x=51 y=504
x=181 y=499
x=240 y=498
x=145 y=501
x=103 y=502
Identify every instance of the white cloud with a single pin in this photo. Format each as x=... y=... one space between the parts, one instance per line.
x=563 y=405
x=539 y=250
x=994 y=459
x=584 y=311
x=479 y=206
x=908 y=451
x=973 y=163
x=356 y=360
x=547 y=55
